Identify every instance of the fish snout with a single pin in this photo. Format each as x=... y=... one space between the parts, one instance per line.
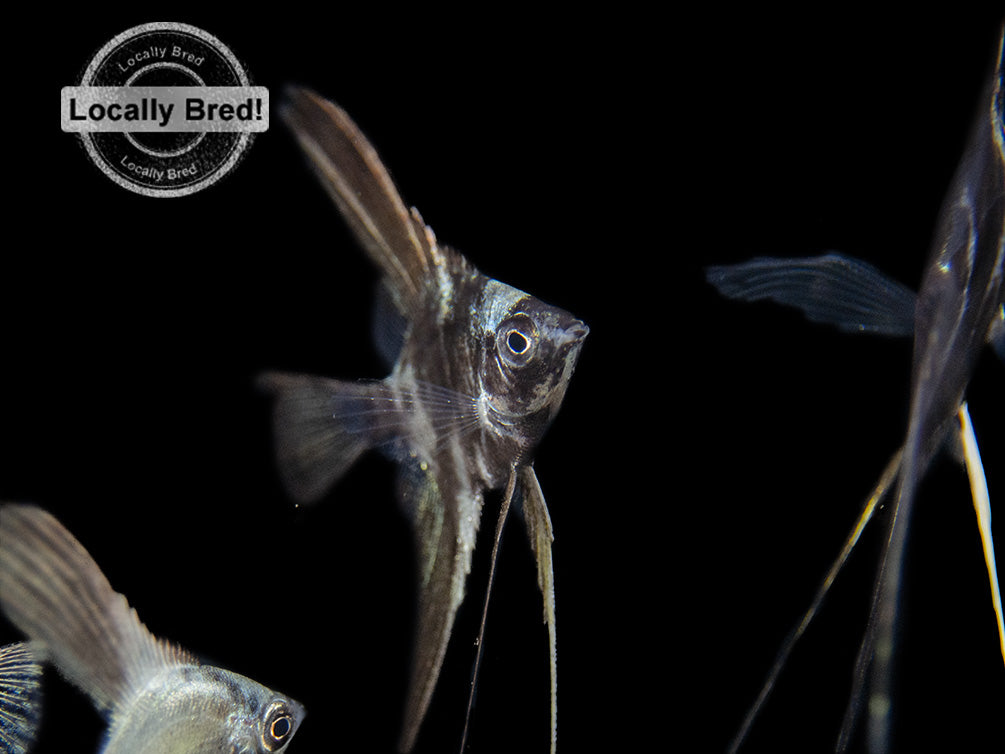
x=576 y=332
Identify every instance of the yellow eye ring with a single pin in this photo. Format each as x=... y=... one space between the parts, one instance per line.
x=516 y=339
x=281 y=727
x=517 y=342
x=278 y=727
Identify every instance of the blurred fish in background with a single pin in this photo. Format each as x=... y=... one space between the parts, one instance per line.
x=155 y=696
x=958 y=310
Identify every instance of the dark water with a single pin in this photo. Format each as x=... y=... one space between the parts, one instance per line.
x=708 y=460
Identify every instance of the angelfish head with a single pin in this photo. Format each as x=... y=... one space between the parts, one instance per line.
x=278 y=723
x=530 y=350
x=261 y=721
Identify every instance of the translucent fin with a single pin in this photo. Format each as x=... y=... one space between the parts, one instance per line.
x=53 y=591
x=351 y=171
x=874 y=637
x=20 y=697
x=322 y=426
x=496 y=540
x=868 y=508
x=440 y=506
x=832 y=289
x=982 y=506
x=389 y=325
x=539 y=530
x=538 y=521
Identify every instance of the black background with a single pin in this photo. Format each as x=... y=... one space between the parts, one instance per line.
x=710 y=456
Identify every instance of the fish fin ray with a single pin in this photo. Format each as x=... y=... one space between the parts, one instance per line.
x=444 y=556
x=832 y=289
x=321 y=427
x=351 y=171
x=876 y=495
x=876 y=653
x=20 y=696
x=538 y=520
x=982 y=507
x=508 y=498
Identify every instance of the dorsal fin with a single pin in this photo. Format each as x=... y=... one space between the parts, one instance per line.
x=350 y=169
x=53 y=591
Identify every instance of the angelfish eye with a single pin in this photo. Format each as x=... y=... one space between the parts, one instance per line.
x=516 y=339
x=278 y=727
x=517 y=342
x=281 y=727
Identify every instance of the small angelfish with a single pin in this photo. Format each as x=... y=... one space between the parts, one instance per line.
x=479 y=370
x=958 y=310
x=20 y=696
x=156 y=698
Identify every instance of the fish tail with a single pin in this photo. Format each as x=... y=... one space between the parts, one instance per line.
x=322 y=426
x=54 y=592
x=20 y=696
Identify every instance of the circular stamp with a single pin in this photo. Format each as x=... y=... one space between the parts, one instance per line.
x=165 y=109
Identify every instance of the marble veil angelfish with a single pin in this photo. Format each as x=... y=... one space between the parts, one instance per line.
x=958 y=310
x=478 y=371
x=156 y=697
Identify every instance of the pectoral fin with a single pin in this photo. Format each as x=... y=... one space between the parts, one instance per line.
x=322 y=426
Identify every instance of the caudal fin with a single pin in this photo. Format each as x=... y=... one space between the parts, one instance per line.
x=322 y=426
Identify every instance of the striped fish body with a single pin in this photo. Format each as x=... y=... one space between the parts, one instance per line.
x=479 y=370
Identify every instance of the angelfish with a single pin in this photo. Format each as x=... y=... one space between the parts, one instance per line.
x=958 y=310
x=479 y=372
x=155 y=696
x=20 y=696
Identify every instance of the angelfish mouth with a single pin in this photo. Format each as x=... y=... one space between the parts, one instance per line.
x=576 y=332
x=572 y=342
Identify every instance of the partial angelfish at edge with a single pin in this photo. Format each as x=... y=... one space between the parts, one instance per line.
x=156 y=698
x=959 y=309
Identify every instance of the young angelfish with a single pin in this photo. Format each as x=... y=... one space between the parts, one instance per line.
x=156 y=698
x=20 y=696
x=958 y=310
x=478 y=375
